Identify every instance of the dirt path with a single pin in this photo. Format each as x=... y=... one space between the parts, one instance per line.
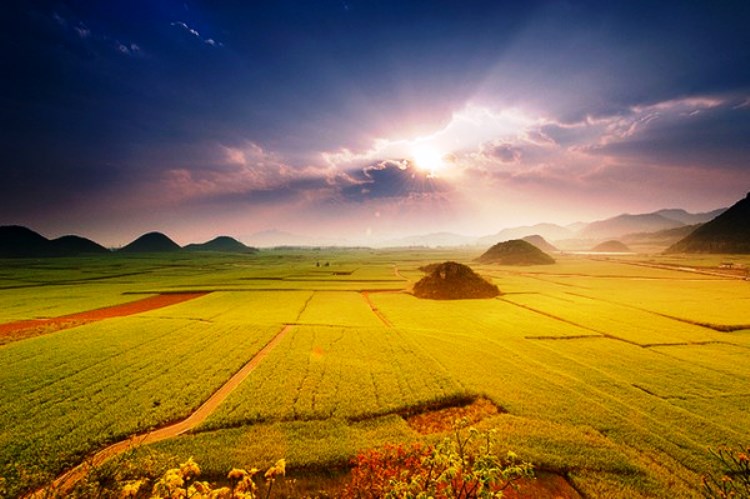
x=399 y=274
x=19 y=330
x=65 y=482
x=378 y=313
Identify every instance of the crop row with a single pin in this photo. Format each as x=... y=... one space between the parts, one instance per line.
x=493 y=317
x=66 y=394
x=322 y=372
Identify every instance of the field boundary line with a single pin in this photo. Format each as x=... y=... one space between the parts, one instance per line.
x=552 y=316
x=65 y=482
x=722 y=328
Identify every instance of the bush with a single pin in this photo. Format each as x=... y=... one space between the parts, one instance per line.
x=458 y=467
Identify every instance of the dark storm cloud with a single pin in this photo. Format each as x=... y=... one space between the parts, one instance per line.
x=391 y=179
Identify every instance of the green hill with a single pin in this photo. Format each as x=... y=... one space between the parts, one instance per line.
x=515 y=252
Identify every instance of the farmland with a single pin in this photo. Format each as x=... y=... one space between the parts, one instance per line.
x=617 y=374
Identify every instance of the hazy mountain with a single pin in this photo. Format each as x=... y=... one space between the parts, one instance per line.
x=540 y=243
x=611 y=246
x=665 y=237
x=627 y=224
x=224 y=244
x=727 y=233
x=153 y=242
x=551 y=232
x=21 y=242
x=690 y=218
x=515 y=252
x=575 y=227
x=434 y=240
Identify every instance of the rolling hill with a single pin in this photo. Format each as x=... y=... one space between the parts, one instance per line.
x=153 y=242
x=224 y=244
x=611 y=246
x=21 y=242
x=540 y=243
x=515 y=252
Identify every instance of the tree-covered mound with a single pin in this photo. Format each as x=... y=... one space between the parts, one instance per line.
x=515 y=252
x=454 y=281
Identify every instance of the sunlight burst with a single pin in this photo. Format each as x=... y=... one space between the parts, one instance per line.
x=428 y=159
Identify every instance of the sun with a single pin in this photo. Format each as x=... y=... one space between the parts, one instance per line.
x=427 y=159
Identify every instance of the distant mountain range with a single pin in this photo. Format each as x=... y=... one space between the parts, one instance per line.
x=550 y=232
x=657 y=229
x=18 y=242
x=21 y=242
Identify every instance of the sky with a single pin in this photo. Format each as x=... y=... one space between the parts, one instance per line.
x=361 y=120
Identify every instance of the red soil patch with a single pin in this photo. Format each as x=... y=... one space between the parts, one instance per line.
x=443 y=420
x=19 y=330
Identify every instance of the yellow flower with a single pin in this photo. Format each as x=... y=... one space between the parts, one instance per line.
x=131 y=489
x=222 y=493
x=237 y=474
x=189 y=469
x=277 y=469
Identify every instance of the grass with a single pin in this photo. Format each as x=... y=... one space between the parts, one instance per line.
x=602 y=376
x=68 y=393
x=320 y=373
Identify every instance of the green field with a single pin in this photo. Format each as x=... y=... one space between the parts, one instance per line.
x=616 y=374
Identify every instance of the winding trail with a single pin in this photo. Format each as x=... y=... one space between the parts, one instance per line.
x=65 y=482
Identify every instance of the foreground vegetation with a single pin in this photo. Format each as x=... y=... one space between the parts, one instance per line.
x=616 y=374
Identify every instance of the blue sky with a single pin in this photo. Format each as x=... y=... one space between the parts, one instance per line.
x=367 y=119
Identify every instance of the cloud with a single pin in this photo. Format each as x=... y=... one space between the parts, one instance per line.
x=90 y=38
x=132 y=49
x=710 y=132
x=503 y=151
x=392 y=178
x=195 y=33
x=82 y=30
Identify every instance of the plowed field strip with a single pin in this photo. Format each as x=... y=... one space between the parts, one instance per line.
x=19 y=330
x=65 y=482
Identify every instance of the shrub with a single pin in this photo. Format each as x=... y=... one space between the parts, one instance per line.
x=461 y=466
